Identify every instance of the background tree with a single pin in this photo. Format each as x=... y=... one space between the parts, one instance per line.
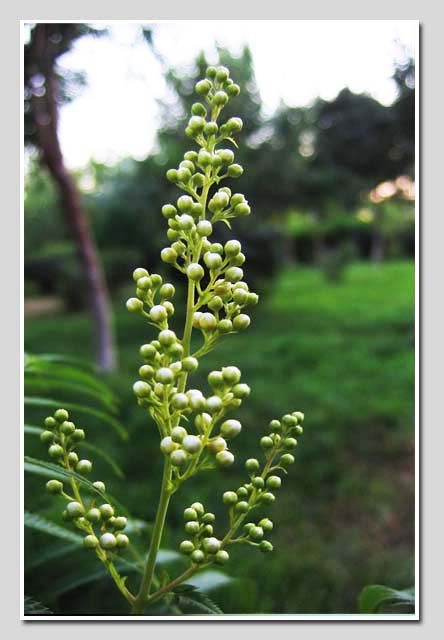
x=45 y=90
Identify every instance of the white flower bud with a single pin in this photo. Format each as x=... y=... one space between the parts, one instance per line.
x=108 y=541
x=167 y=445
x=164 y=375
x=158 y=313
x=178 y=457
x=178 y=434
x=230 y=428
x=191 y=444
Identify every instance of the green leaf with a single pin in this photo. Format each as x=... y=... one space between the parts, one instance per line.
x=39 y=523
x=32 y=430
x=198 y=603
x=376 y=596
x=49 y=402
x=51 y=470
x=52 y=552
x=46 y=382
x=208 y=580
x=35 y=608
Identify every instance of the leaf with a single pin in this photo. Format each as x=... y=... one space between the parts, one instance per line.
x=35 y=608
x=208 y=580
x=49 y=402
x=227 y=222
x=39 y=523
x=233 y=141
x=51 y=470
x=52 y=552
x=45 y=382
x=373 y=597
x=197 y=602
x=32 y=430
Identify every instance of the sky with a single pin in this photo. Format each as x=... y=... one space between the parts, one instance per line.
x=117 y=115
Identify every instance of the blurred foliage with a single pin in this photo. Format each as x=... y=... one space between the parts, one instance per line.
x=344 y=520
x=377 y=598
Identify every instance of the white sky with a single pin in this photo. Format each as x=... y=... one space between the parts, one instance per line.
x=116 y=115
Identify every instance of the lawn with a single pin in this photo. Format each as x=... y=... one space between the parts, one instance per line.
x=342 y=353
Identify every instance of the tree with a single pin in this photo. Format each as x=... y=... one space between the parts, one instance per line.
x=45 y=91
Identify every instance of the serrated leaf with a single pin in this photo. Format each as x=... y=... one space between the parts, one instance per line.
x=33 y=607
x=39 y=523
x=33 y=430
x=197 y=602
x=374 y=597
x=49 y=402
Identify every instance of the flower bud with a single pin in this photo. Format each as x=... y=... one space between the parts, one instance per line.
x=197 y=401
x=216 y=303
x=198 y=507
x=256 y=533
x=75 y=509
x=134 y=304
x=141 y=389
x=189 y=364
x=211 y=545
x=148 y=351
x=83 y=467
x=167 y=337
x=164 y=375
x=220 y=99
x=222 y=557
x=266 y=546
x=242 y=321
x=50 y=422
x=224 y=458
x=290 y=443
x=204 y=158
x=93 y=515
x=106 y=511
x=61 y=415
x=78 y=435
x=90 y=542
x=230 y=428
x=198 y=556
x=203 y=87
x=242 y=507
x=146 y=371
x=168 y=255
x=289 y=421
x=242 y=209
x=226 y=156
x=266 y=442
x=242 y=492
x=198 y=109
x=299 y=416
x=191 y=444
x=122 y=541
x=183 y=175
x=241 y=390
x=229 y=498
x=171 y=175
x=54 y=486
x=267 y=498
x=186 y=547
x=192 y=527
x=213 y=260
x=231 y=375
x=47 y=436
x=240 y=296
x=158 y=313
x=252 y=465
x=234 y=170
x=178 y=434
x=234 y=125
x=179 y=401
x=167 y=445
x=190 y=514
x=204 y=228
x=207 y=322
x=286 y=460
x=225 y=326
x=100 y=486
x=55 y=451
x=233 y=90
x=215 y=379
x=108 y=541
x=208 y=517
x=202 y=421
x=258 y=482
x=195 y=272
x=213 y=404
x=274 y=482
x=216 y=445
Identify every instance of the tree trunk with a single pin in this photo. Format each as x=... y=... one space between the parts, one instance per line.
x=45 y=109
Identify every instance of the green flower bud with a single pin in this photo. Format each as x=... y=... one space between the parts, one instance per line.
x=146 y=371
x=266 y=442
x=184 y=175
x=55 y=451
x=178 y=434
x=219 y=201
x=213 y=404
x=267 y=498
x=198 y=507
x=240 y=296
x=290 y=443
x=216 y=303
x=216 y=247
x=195 y=272
x=179 y=401
x=231 y=375
x=61 y=415
x=299 y=430
x=147 y=351
x=216 y=445
x=186 y=547
x=230 y=428
x=168 y=255
x=211 y=72
x=211 y=545
x=110 y=522
x=242 y=492
x=266 y=546
x=236 y=199
x=93 y=515
x=50 y=422
x=171 y=175
x=178 y=458
x=275 y=426
x=100 y=486
x=256 y=533
x=83 y=467
x=141 y=389
x=289 y=420
x=213 y=260
x=207 y=322
x=211 y=128
x=203 y=87
x=47 y=436
x=234 y=274
x=122 y=541
x=224 y=458
x=274 y=482
x=167 y=337
x=220 y=99
x=208 y=530
x=226 y=156
x=190 y=514
x=144 y=283
x=90 y=542
x=207 y=518
x=234 y=125
x=167 y=445
x=75 y=509
x=202 y=421
x=168 y=211
x=134 y=305
x=108 y=541
x=190 y=155
x=140 y=272
x=158 y=313
x=204 y=158
x=191 y=444
x=222 y=557
x=54 y=486
x=198 y=109
x=242 y=209
x=299 y=416
x=120 y=523
x=192 y=527
x=198 y=556
x=242 y=507
x=225 y=326
x=233 y=90
x=242 y=321
x=286 y=460
x=258 y=483
x=252 y=465
x=204 y=228
x=229 y=498
x=222 y=74
x=241 y=390
x=235 y=170
x=198 y=183
x=164 y=375
x=106 y=511
x=215 y=379
x=197 y=401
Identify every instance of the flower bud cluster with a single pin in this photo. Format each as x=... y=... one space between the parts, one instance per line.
x=201 y=545
x=103 y=528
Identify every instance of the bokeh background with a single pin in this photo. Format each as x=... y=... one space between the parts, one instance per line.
x=328 y=148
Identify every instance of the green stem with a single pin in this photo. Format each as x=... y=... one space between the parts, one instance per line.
x=165 y=495
x=174 y=583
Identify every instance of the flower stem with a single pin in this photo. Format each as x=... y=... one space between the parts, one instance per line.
x=165 y=495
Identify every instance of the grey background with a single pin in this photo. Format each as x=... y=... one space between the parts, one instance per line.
x=432 y=312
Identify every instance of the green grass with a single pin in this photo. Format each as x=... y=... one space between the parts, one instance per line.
x=341 y=353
